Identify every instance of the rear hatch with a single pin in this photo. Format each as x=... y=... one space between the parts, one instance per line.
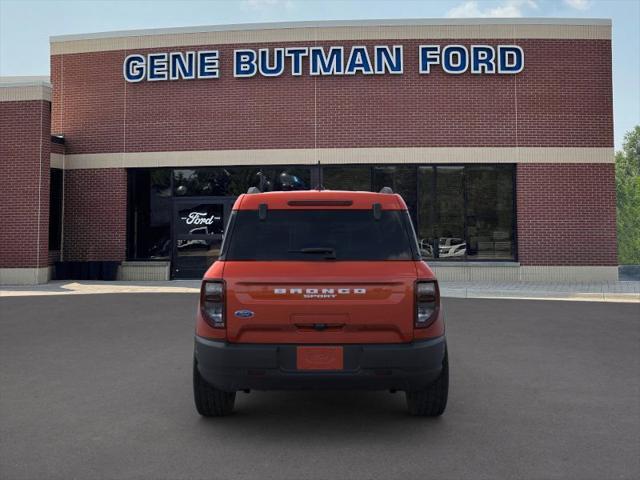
x=312 y=302
x=320 y=276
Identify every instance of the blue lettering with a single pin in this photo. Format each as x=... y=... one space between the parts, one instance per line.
x=510 y=59
x=455 y=59
x=296 y=55
x=483 y=59
x=271 y=62
x=385 y=61
x=244 y=63
x=429 y=55
x=182 y=65
x=133 y=68
x=208 y=64
x=277 y=68
x=331 y=64
x=359 y=61
x=157 y=67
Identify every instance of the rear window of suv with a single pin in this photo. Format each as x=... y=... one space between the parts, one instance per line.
x=322 y=235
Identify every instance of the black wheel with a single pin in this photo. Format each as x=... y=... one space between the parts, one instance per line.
x=211 y=402
x=432 y=401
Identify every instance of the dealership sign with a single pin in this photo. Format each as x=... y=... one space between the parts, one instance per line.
x=200 y=218
x=325 y=61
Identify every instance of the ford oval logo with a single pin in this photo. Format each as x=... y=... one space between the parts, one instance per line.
x=243 y=313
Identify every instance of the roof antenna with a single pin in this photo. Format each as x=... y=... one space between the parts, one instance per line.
x=319 y=187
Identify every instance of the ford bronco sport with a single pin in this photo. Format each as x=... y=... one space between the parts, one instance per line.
x=320 y=290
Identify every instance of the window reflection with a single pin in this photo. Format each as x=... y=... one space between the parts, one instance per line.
x=149 y=219
x=233 y=181
x=460 y=212
x=197 y=254
x=347 y=177
x=466 y=212
x=426 y=211
x=401 y=179
x=448 y=227
x=490 y=212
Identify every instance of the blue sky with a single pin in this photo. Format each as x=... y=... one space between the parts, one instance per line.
x=25 y=26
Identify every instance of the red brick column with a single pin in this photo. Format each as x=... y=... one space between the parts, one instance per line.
x=95 y=214
x=566 y=214
x=24 y=196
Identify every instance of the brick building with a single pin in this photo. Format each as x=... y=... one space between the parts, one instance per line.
x=498 y=134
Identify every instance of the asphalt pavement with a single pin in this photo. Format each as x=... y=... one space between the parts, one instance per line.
x=99 y=386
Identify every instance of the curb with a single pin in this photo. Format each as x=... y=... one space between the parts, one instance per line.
x=541 y=295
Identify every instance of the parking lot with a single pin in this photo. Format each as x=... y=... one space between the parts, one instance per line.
x=99 y=386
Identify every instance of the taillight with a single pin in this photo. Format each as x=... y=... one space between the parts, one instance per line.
x=427 y=303
x=212 y=302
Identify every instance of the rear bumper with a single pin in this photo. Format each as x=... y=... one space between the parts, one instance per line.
x=231 y=367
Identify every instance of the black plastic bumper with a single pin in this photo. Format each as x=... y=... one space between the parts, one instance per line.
x=407 y=366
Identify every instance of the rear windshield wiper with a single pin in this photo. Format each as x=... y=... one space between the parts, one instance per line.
x=329 y=252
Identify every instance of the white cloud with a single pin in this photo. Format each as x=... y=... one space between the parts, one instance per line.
x=578 y=4
x=508 y=8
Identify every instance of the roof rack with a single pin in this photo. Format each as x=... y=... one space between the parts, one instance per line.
x=386 y=190
x=253 y=190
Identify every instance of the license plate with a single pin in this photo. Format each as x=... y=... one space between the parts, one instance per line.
x=319 y=358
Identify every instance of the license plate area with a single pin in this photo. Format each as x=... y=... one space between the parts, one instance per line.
x=317 y=358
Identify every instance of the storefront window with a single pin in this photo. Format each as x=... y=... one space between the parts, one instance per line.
x=233 y=181
x=152 y=193
x=149 y=230
x=400 y=178
x=426 y=210
x=200 y=181
x=461 y=212
x=347 y=177
x=490 y=212
x=448 y=227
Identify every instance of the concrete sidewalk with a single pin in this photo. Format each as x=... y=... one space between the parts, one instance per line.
x=595 y=292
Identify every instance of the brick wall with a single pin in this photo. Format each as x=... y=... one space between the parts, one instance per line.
x=566 y=214
x=95 y=214
x=24 y=196
x=562 y=98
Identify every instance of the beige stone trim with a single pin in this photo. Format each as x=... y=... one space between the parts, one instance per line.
x=341 y=156
x=57 y=160
x=508 y=272
x=433 y=29
x=568 y=274
x=22 y=93
x=144 y=271
x=513 y=272
x=24 y=276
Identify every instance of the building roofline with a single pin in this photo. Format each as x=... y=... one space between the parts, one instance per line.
x=25 y=81
x=333 y=23
x=24 y=89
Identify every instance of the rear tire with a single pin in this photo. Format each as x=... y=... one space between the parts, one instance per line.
x=432 y=401
x=211 y=402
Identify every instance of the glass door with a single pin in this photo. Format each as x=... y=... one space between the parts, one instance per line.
x=197 y=232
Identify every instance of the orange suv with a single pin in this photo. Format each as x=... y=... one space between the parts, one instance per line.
x=320 y=290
